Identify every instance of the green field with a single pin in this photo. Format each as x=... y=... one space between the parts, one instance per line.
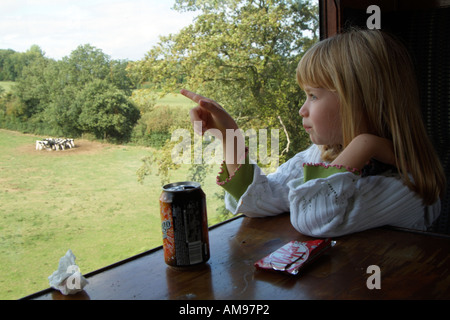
x=86 y=199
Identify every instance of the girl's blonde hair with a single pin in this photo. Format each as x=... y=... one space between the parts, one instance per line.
x=374 y=78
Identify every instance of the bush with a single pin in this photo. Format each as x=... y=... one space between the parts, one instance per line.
x=155 y=127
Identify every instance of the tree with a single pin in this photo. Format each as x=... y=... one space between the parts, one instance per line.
x=7 y=72
x=51 y=94
x=242 y=53
x=34 y=87
x=86 y=63
x=12 y=63
x=106 y=111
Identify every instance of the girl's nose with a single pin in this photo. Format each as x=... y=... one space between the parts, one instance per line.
x=303 y=112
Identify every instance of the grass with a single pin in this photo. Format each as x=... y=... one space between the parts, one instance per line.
x=85 y=199
x=175 y=100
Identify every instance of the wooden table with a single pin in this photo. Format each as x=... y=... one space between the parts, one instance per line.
x=413 y=266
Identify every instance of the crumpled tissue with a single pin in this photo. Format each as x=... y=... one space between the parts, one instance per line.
x=68 y=278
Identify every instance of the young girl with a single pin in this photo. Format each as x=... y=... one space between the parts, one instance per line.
x=370 y=164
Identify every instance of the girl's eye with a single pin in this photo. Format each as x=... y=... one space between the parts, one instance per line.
x=312 y=97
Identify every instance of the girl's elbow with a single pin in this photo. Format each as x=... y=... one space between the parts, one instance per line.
x=318 y=230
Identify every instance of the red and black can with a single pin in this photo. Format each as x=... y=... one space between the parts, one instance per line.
x=184 y=224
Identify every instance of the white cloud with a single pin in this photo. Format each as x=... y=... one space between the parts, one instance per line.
x=121 y=29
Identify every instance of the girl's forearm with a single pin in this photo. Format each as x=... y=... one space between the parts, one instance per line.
x=363 y=148
x=233 y=144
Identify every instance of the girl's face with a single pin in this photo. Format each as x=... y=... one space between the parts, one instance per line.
x=321 y=118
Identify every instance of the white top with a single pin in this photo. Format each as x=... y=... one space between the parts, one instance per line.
x=340 y=204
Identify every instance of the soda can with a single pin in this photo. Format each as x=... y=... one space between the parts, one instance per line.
x=184 y=224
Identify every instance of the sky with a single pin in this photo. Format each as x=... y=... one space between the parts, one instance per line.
x=122 y=29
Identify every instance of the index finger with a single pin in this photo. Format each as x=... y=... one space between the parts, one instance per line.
x=191 y=95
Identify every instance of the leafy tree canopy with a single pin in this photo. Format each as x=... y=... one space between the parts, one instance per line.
x=105 y=110
x=60 y=96
x=242 y=53
x=12 y=63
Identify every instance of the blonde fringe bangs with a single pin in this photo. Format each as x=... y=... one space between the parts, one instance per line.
x=313 y=69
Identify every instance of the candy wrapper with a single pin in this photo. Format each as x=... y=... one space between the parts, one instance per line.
x=293 y=256
x=68 y=278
